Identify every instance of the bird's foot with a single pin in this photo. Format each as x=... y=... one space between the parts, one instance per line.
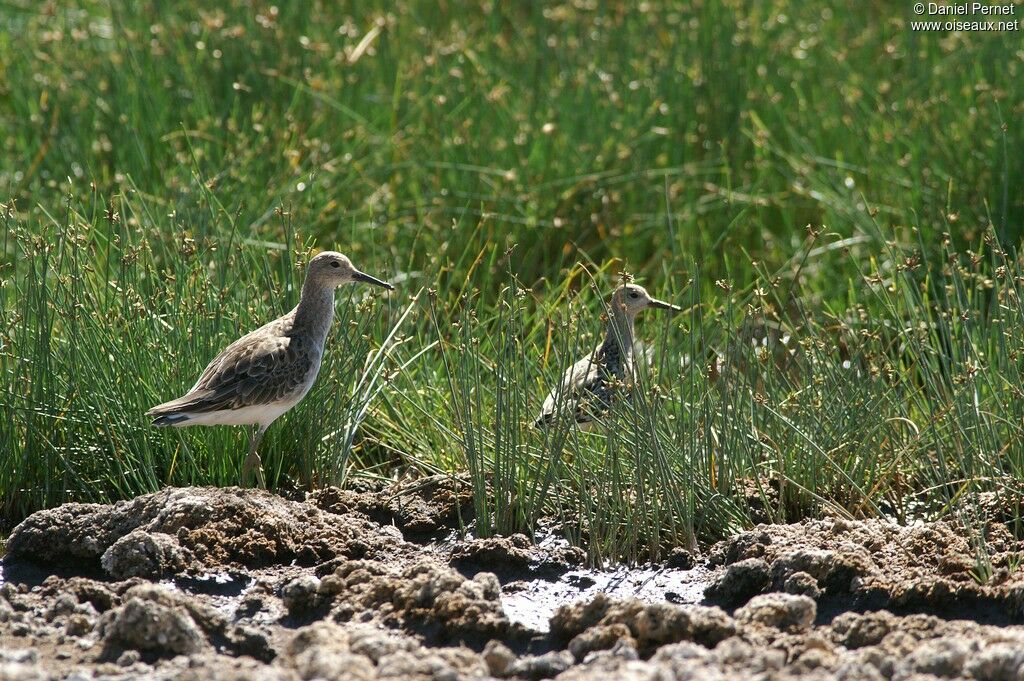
x=253 y=467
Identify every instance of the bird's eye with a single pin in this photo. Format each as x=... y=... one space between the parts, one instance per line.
x=634 y=295
x=335 y=264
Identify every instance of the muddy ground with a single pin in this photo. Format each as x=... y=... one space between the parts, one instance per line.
x=210 y=584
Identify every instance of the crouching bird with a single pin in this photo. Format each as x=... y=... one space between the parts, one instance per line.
x=589 y=387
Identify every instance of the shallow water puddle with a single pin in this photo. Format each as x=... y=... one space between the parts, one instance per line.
x=532 y=602
x=220 y=583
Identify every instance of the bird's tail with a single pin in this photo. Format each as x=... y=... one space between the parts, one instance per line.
x=163 y=420
x=176 y=412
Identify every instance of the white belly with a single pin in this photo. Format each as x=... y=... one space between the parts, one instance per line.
x=262 y=414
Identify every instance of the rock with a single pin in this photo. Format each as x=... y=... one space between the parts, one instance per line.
x=739 y=654
x=66 y=604
x=652 y=625
x=7 y=611
x=17 y=671
x=500 y=553
x=686 y=660
x=320 y=651
x=209 y=620
x=79 y=624
x=421 y=506
x=244 y=639
x=20 y=655
x=740 y=582
x=150 y=555
x=600 y=637
x=301 y=595
x=919 y=568
x=834 y=570
x=217 y=527
x=377 y=644
x=684 y=650
x=325 y=650
x=999 y=662
x=609 y=668
x=802 y=584
x=515 y=554
x=150 y=626
x=572 y=619
x=857 y=671
x=544 y=666
x=854 y=630
x=681 y=559
x=498 y=657
x=424 y=592
x=212 y=667
x=624 y=649
x=157 y=620
x=428 y=664
x=943 y=657
x=128 y=658
x=100 y=595
x=785 y=612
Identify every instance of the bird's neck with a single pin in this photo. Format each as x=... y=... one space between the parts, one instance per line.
x=619 y=334
x=315 y=310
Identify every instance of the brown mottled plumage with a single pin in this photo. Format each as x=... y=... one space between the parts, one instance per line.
x=588 y=387
x=266 y=372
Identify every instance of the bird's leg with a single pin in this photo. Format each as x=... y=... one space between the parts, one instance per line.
x=253 y=464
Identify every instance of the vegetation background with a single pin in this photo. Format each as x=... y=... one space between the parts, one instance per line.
x=835 y=199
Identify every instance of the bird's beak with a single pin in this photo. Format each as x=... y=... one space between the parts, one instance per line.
x=662 y=305
x=367 y=279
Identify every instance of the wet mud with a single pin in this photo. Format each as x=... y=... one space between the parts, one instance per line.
x=376 y=583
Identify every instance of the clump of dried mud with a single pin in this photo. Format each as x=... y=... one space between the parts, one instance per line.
x=417 y=507
x=174 y=530
x=874 y=565
x=233 y=584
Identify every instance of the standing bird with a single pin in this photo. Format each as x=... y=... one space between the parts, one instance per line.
x=266 y=372
x=588 y=387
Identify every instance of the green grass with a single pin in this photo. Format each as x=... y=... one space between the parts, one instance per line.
x=786 y=171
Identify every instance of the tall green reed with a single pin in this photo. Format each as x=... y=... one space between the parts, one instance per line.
x=108 y=314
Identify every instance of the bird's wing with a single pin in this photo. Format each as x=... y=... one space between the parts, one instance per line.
x=577 y=384
x=643 y=352
x=261 y=367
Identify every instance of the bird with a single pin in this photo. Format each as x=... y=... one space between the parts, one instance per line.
x=268 y=371
x=588 y=387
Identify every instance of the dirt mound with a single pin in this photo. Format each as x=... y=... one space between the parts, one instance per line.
x=352 y=652
x=878 y=564
x=423 y=506
x=170 y=531
x=431 y=599
x=513 y=556
x=154 y=619
x=210 y=585
x=651 y=624
x=513 y=552
x=773 y=637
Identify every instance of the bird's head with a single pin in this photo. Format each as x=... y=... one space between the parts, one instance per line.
x=335 y=269
x=631 y=299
